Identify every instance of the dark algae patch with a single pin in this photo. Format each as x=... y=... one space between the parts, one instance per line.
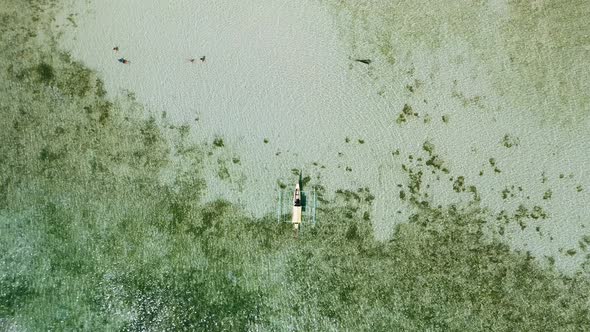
x=44 y=72
x=92 y=239
x=218 y=142
x=406 y=114
x=510 y=141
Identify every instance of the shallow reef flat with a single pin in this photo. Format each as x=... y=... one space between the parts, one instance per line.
x=497 y=93
x=350 y=93
x=106 y=222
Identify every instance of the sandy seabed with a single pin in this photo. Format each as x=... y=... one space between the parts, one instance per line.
x=279 y=86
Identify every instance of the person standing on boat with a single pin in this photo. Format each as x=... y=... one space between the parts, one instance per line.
x=296 y=219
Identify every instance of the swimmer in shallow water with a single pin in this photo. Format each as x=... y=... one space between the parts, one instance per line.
x=192 y=60
x=365 y=61
x=116 y=48
x=124 y=61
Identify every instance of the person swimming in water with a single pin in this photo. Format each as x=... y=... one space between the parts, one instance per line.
x=116 y=48
x=123 y=61
x=192 y=60
x=365 y=61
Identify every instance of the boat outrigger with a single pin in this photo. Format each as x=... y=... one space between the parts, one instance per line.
x=296 y=218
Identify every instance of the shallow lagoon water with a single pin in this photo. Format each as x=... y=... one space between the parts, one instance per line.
x=102 y=223
x=281 y=90
x=275 y=72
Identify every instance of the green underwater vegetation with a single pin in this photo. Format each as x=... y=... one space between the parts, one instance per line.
x=535 y=53
x=92 y=237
